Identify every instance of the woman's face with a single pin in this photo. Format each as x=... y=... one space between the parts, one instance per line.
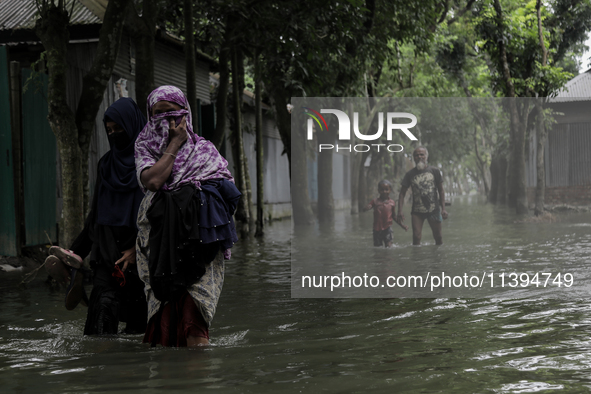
x=113 y=127
x=165 y=106
x=116 y=135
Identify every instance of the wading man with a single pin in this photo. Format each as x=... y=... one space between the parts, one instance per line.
x=428 y=197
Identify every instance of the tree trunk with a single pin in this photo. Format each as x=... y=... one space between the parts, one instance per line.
x=300 y=198
x=541 y=134
x=480 y=162
x=144 y=71
x=494 y=180
x=354 y=162
x=503 y=179
x=242 y=84
x=143 y=33
x=517 y=191
x=251 y=217
x=325 y=207
x=190 y=63
x=517 y=194
x=16 y=92
x=374 y=173
x=362 y=182
x=95 y=82
x=259 y=147
x=359 y=172
x=296 y=154
x=240 y=168
x=481 y=165
x=222 y=97
x=458 y=181
x=52 y=29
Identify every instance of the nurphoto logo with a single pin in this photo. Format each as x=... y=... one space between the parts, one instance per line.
x=344 y=132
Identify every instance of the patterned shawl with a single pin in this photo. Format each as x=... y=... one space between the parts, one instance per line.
x=197 y=160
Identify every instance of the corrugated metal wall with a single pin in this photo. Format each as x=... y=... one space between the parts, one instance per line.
x=276 y=171
x=169 y=69
x=580 y=155
x=123 y=66
x=567 y=156
x=80 y=61
x=202 y=77
x=270 y=129
x=277 y=181
x=558 y=156
x=39 y=163
x=22 y=14
x=7 y=206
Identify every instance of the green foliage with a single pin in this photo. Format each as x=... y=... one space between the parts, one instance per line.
x=521 y=38
x=403 y=49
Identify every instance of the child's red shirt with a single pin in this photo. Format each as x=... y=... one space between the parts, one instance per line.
x=383 y=211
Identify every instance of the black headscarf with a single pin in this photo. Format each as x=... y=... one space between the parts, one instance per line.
x=119 y=195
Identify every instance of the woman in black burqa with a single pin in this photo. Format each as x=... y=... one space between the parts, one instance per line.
x=109 y=235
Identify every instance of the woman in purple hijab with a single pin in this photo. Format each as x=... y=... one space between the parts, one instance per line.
x=185 y=222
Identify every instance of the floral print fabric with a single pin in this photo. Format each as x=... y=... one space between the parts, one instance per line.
x=197 y=160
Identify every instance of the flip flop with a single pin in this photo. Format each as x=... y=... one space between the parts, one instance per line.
x=75 y=292
x=67 y=256
x=57 y=270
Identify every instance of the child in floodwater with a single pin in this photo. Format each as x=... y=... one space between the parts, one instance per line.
x=384 y=213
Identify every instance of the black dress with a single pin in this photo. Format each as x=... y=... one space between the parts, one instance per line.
x=112 y=299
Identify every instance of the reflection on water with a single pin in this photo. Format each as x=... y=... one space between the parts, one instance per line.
x=265 y=341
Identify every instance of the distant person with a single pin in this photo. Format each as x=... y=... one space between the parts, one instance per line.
x=384 y=214
x=185 y=222
x=428 y=197
x=109 y=235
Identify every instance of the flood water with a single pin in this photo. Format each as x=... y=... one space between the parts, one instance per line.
x=264 y=341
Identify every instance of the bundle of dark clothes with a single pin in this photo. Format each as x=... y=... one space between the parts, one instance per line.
x=112 y=299
x=189 y=227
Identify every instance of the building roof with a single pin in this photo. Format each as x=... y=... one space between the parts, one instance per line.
x=18 y=17
x=22 y=14
x=577 y=89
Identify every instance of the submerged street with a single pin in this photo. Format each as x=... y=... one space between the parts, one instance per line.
x=264 y=341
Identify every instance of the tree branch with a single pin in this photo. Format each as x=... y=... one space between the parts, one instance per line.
x=461 y=12
x=540 y=32
x=503 y=58
x=444 y=13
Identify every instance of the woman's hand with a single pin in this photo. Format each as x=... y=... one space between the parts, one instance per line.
x=128 y=258
x=178 y=134
x=154 y=177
